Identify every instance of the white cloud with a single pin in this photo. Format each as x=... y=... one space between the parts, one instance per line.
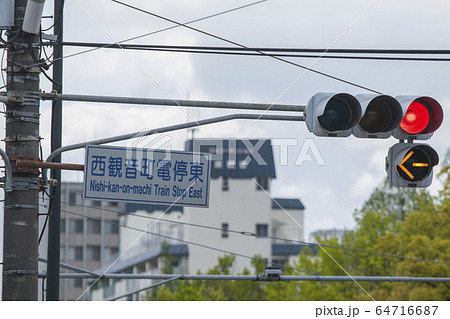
x=353 y=166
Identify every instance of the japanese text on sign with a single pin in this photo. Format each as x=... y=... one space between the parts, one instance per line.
x=147 y=176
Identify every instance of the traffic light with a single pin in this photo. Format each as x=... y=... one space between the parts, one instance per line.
x=411 y=165
x=381 y=114
x=373 y=116
x=422 y=117
x=331 y=114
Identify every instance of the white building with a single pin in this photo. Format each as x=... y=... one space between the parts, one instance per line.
x=89 y=237
x=242 y=219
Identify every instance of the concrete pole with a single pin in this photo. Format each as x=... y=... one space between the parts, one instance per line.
x=20 y=248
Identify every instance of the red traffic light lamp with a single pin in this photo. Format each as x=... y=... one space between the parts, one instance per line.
x=423 y=115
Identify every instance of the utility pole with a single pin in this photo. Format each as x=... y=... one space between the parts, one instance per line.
x=21 y=207
x=54 y=226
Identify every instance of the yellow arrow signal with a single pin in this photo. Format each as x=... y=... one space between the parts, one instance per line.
x=403 y=167
x=414 y=165
x=420 y=164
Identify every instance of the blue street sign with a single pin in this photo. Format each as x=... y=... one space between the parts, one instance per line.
x=146 y=176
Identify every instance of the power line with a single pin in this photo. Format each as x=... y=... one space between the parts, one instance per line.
x=251 y=234
x=165 y=29
x=258 y=277
x=243 y=46
x=341 y=57
x=266 y=49
x=185 y=241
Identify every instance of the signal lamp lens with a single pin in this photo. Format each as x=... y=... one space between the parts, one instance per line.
x=418 y=163
x=416 y=119
x=378 y=117
x=336 y=116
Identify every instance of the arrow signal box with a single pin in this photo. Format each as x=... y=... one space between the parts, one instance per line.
x=411 y=165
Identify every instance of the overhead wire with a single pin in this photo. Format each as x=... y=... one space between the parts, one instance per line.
x=10 y=46
x=251 y=234
x=243 y=46
x=243 y=52
x=63 y=2
x=165 y=29
x=266 y=49
x=186 y=242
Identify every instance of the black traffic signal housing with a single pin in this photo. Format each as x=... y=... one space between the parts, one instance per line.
x=411 y=164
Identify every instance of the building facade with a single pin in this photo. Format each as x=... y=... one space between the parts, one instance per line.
x=89 y=236
x=243 y=219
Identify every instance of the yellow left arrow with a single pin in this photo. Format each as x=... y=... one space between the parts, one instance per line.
x=403 y=167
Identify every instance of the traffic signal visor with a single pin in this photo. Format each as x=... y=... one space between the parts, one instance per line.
x=330 y=114
x=422 y=117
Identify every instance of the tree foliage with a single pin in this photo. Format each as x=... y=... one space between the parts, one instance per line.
x=215 y=289
x=394 y=221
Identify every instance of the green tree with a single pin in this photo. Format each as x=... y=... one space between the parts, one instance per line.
x=385 y=218
x=215 y=289
x=425 y=234
x=395 y=202
x=395 y=221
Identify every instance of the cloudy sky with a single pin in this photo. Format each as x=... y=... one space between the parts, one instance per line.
x=353 y=167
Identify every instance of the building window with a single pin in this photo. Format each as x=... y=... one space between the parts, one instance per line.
x=75 y=225
x=262 y=230
x=225 y=185
x=109 y=290
x=63 y=225
x=111 y=226
x=72 y=198
x=141 y=268
x=96 y=203
x=74 y=283
x=78 y=282
x=112 y=204
x=132 y=284
x=110 y=253
x=93 y=226
x=93 y=252
x=224 y=230
x=262 y=183
x=75 y=253
x=218 y=164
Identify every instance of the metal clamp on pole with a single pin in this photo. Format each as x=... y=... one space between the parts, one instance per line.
x=8 y=171
x=18 y=116
x=20 y=272
x=26 y=183
x=30 y=98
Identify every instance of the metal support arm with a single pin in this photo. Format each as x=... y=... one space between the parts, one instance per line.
x=170 y=102
x=171 y=128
